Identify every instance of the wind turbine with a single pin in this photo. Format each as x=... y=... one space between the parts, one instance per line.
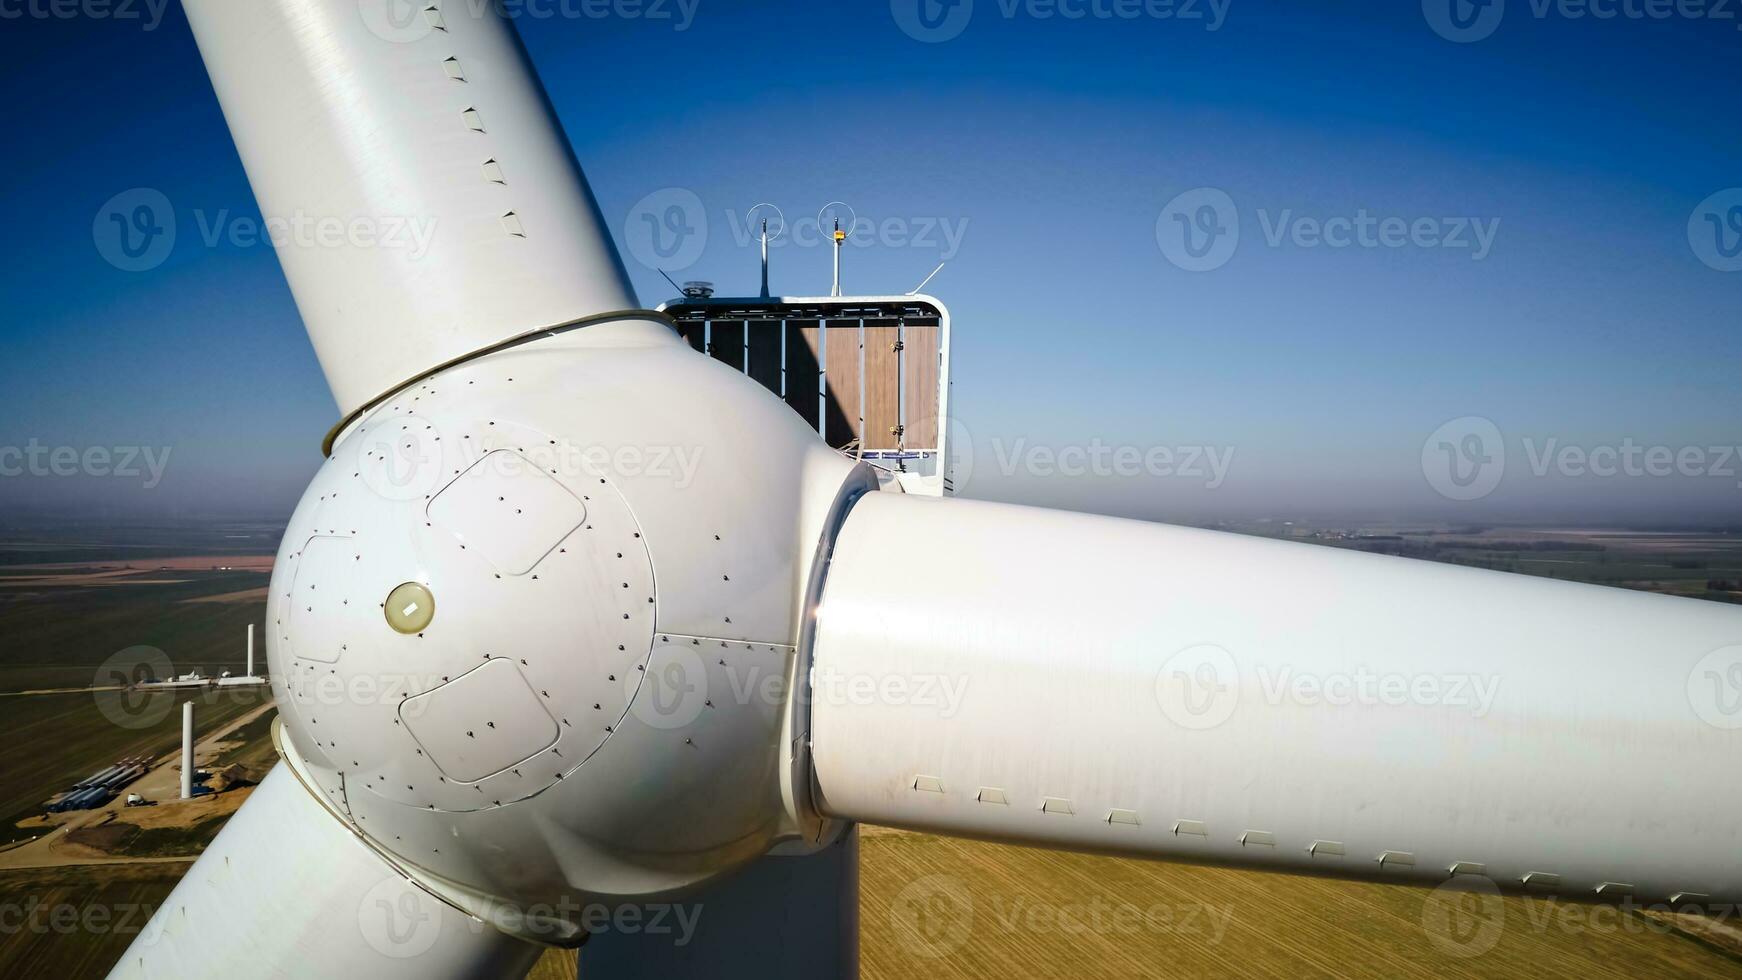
x=518 y=677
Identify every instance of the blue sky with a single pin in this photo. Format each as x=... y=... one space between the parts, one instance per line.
x=1553 y=166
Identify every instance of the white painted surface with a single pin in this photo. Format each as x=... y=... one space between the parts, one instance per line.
x=348 y=118
x=1182 y=689
x=287 y=891
x=658 y=633
x=481 y=723
x=187 y=750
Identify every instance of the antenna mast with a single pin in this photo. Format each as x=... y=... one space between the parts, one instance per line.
x=764 y=258
x=840 y=236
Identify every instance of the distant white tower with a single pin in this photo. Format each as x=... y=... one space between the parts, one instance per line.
x=250 y=650
x=187 y=746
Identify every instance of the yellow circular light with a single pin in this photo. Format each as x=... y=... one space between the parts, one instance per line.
x=410 y=607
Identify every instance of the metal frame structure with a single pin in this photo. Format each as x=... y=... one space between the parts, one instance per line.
x=921 y=469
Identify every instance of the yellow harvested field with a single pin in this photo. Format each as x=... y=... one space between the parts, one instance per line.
x=949 y=909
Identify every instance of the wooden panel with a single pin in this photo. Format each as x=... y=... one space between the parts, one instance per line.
x=763 y=351
x=726 y=342
x=882 y=385
x=804 y=367
x=844 y=424
x=920 y=371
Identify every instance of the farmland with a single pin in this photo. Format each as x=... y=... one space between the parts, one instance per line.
x=929 y=906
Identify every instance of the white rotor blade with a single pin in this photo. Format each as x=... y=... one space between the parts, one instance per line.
x=287 y=891
x=1089 y=683
x=422 y=197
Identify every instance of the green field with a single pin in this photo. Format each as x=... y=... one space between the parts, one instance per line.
x=77 y=921
x=55 y=740
x=56 y=637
